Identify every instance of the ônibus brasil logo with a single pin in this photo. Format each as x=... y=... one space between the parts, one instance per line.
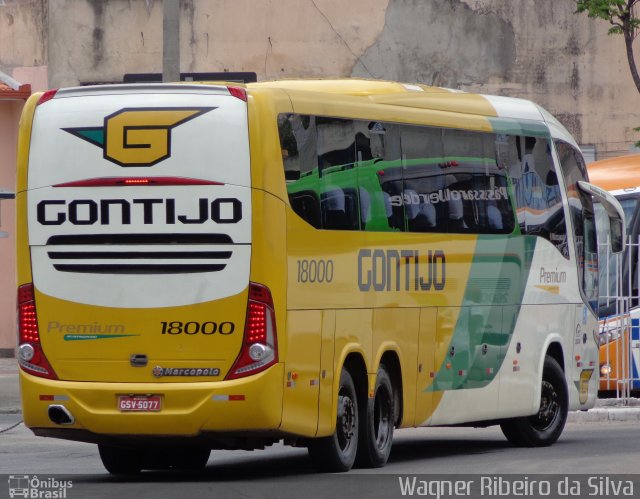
x=138 y=136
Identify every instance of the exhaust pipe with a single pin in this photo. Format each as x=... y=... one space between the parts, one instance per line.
x=59 y=414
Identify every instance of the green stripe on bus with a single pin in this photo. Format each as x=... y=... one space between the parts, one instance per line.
x=519 y=127
x=490 y=308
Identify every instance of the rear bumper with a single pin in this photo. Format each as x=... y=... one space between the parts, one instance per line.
x=245 y=406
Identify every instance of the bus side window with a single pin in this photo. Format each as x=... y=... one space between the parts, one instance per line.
x=307 y=206
x=452 y=182
x=379 y=174
x=537 y=193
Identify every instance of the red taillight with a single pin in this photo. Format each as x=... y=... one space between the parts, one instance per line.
x=260 y=344
x=123 y=181
x=47 y=96
x=256 y=328
x=30 y=355
x=28 y=323
x=238 y=92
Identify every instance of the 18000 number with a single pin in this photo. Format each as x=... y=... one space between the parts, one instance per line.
x=315 y=270
x=177 y=327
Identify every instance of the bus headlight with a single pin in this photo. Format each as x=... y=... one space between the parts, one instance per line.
x=605 y=370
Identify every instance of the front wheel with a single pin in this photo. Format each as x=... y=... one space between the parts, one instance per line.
x=377 y=429
x=337 y=452
x=543 y=428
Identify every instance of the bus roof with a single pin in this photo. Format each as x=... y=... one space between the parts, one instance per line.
x=613 y=174
x=419 y=96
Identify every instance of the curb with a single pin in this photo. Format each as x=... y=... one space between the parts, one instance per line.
x=605 y=414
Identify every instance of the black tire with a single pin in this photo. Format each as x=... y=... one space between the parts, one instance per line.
x=190 y=459
x=376 y=435
x=337 y=452
x=121 y=460
x=543 y=428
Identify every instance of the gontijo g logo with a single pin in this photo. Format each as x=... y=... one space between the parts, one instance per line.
x=138 y=136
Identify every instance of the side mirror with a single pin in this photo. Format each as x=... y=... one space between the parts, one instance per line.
x=617 y=224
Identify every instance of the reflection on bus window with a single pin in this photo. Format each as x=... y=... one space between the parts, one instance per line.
x=583 y=217
x=345 y=174
x=537 y=193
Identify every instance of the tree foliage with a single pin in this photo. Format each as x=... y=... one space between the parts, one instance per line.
x=621 y=15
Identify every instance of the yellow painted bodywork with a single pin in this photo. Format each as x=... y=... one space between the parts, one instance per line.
x=319 y=324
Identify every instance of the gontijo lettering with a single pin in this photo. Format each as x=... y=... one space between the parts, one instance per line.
x=382 y=270
x=121 y=211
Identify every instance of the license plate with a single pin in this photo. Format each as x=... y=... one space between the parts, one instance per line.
x=139 y=403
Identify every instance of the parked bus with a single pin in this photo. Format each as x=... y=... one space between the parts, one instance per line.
x=315 y=262
x=619 y=332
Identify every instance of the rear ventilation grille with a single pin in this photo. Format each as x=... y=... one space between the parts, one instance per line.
x=153 y=253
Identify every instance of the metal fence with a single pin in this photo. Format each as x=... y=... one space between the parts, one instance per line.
x=620 y=331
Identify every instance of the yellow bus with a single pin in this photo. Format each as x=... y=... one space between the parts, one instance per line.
x=214 y=266
x=620 y=342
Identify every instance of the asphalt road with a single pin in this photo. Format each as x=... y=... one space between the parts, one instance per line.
x=590 y=450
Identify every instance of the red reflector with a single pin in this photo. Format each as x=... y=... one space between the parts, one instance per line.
x=47 y=96
x=122 y=181
x=236 y=397
x=238 y=92
x=260 y=293
x=46 y=397
x=25 y=293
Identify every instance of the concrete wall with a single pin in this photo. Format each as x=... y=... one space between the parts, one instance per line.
x=539 y=50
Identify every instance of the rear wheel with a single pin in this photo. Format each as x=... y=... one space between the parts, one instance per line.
x=191 y=459
x=121 y=460
x=376 y=435
x=544 y=428
x=337 y=452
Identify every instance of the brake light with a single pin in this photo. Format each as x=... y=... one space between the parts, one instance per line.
x=124 y=181
x=238 y=92
x=47 y=96
x=259 y=345
x=30 y=355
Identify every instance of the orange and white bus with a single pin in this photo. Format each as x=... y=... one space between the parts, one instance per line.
x=315 y=262
x=619 y=280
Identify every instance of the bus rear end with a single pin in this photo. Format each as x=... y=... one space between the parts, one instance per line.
x=137 y=316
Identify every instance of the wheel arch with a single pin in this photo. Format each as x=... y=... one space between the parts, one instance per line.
x=391 y=360
x=555 y=351
x=355 y=364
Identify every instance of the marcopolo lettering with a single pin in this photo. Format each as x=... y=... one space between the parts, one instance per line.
x=150 y=211
x=383 y=270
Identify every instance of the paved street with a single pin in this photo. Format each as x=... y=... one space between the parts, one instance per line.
x=593 y=449
x=602 y=441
